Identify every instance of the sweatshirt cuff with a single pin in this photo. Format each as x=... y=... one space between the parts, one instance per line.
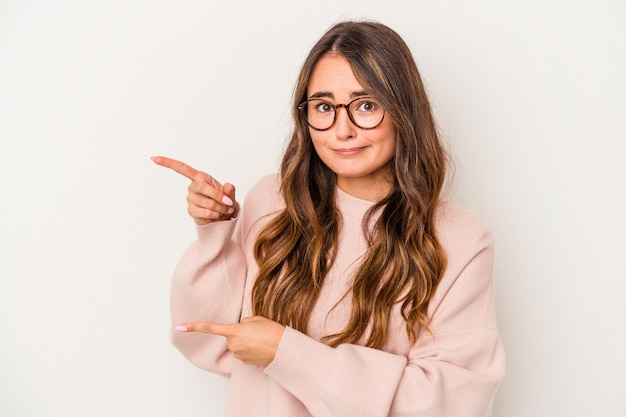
x=288 y=358
x=341 y=381
x=216 y=231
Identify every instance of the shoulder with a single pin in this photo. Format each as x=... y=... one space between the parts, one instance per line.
x=464 y=296
x=461 y=230
x=263 y=200
x=265 y=194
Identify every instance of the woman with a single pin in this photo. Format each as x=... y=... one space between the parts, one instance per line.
x=348 y=286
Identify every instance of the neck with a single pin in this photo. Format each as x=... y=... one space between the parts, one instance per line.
x=365 y=190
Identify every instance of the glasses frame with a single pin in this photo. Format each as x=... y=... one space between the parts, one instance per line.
x=336 y=107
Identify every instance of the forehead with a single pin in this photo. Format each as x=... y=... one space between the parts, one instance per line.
x=333 y=76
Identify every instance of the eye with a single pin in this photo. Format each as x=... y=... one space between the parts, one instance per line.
x=367 y=106
x=324 y=107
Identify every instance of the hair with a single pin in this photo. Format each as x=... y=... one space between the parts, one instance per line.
x=405 y=261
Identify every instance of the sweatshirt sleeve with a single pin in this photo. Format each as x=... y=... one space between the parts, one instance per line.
x=208 y=285
x=453 y=372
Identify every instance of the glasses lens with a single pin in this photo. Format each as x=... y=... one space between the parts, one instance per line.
x=364 y=112
x=319 y=114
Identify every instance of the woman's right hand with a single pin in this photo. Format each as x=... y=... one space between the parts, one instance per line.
x=207 y=200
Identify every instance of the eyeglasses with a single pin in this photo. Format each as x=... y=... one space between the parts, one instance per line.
x=363 y=112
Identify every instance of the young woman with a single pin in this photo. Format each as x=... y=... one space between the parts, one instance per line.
x=347 y=286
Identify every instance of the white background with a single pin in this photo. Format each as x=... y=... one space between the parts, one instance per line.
x=530 y=95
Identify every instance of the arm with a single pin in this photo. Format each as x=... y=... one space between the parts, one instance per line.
x=208 y=284
x=252 y=340
x=454 y=373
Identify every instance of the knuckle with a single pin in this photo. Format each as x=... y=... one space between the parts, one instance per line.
x=233 y=347
x=209 y=203
x=205 y=188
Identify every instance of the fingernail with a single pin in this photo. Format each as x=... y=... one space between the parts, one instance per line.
x=226 y=200
x=231 y=210
x=180 y=328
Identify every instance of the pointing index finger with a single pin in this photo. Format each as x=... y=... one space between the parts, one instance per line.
x=207 y=327
x=178 y=166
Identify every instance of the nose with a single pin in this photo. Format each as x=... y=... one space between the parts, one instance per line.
x=344 y=128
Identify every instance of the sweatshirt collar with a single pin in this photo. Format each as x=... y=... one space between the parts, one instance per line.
x=350 y=205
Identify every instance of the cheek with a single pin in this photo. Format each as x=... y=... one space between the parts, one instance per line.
x=387 y=142
x=318 y=140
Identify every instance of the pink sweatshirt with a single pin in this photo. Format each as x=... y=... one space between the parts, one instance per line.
x=453 y=373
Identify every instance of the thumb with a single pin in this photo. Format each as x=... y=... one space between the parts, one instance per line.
x=229 y=190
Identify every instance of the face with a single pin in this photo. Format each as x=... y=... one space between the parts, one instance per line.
x=359 y=157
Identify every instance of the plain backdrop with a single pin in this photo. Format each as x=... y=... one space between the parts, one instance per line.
x=529 y=95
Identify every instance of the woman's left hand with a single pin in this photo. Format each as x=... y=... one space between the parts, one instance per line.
x=254 y=340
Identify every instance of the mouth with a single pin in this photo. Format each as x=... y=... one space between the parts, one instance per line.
x=348 y=151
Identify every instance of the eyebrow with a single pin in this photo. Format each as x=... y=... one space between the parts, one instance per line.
x=328 y=94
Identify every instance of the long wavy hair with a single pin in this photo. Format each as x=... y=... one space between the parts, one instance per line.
x=404 y=262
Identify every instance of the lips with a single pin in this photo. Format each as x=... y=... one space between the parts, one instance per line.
x=348 y=151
